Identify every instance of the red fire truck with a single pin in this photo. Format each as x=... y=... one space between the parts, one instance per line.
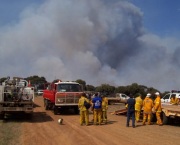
x=62 y=95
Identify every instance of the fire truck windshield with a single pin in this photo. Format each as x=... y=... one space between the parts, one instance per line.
x=69 y=88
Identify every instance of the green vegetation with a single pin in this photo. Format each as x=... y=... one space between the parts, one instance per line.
x=135 y=89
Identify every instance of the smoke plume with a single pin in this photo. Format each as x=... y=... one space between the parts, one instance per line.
x=98 y=41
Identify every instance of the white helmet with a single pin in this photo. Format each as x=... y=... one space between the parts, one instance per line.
x=157 y=93
x=148 y=95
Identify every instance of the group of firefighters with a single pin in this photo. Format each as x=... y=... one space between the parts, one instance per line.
x=148 y=107
x=99 y=106
x=135 y=106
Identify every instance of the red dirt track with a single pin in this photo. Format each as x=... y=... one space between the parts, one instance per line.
x=43 y=129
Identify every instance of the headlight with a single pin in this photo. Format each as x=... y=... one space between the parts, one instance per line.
x=60 y=100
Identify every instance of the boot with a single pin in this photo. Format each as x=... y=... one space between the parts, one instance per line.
x=144 y=122
x=149 y=122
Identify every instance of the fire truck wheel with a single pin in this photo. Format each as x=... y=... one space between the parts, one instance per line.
x=55 y=110
x=76 y=110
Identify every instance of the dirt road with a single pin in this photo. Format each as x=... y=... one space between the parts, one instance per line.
x=43 y=129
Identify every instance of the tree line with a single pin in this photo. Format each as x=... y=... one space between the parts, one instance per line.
x=107 y=89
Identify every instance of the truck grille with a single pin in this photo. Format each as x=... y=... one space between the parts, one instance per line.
x=67 y=98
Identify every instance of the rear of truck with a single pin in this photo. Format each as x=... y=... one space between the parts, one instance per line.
x=16 y=96
x=170 y=113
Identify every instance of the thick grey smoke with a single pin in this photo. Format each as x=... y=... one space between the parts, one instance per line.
x=98 y=41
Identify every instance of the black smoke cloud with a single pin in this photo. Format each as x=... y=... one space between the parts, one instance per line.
x=98 y=41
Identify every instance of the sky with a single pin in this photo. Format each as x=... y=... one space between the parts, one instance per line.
x=117 y=42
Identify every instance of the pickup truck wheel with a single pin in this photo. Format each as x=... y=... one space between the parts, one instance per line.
x=153 y=117
x=165 y=119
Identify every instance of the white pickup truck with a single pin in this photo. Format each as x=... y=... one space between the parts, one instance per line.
x=167 y=97
x=170 y=112
x=122 y=96
x=119 y=98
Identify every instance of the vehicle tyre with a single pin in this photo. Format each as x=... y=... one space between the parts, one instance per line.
x=165 y=119
x=76 y=110
x=55 y=110
x=153 y=117
x=2 y=114
x=110 y=102
x=29 y=115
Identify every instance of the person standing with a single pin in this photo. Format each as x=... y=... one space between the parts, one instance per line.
x=104 y=108
x=92 y=108
x=174 y=100
x=84 y=113
x=131 y=110
x=138 y=107
x=157 y=108
x=147 y=106
x=97 y=109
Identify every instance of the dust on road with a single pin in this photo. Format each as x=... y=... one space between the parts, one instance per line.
x=43 y=129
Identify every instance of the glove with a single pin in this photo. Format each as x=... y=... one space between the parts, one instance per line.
x=153 y=110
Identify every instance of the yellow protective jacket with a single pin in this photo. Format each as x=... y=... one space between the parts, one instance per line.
x=174 y=101
x=157 y=104
x=147 y=105
x=104 y=104
x=81 y=103
x=139 y=103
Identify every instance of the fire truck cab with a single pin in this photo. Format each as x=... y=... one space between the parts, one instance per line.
x=62 y=95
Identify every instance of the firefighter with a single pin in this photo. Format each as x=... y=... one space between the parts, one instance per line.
x=92 y=108
x=97 y=109
x=104 y=108
x=138 y=107
x=157 y=108
x=131 y=110
x=84 y=113
x=174 y=100
x=147 y=109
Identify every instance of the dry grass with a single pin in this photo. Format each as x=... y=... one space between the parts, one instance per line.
x=10 y=132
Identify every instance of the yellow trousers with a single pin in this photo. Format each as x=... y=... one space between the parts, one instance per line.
x=84 y=117
x=104 y=116
x=158 y=117
x=147 y=116
x=137 y=115
x=97 y=116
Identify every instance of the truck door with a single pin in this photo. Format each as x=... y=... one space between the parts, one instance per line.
x=166 y=98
